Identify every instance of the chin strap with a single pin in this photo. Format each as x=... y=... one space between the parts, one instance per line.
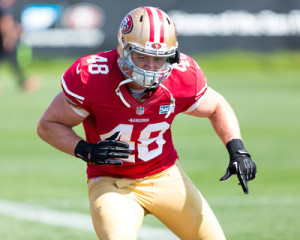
x=119 y=93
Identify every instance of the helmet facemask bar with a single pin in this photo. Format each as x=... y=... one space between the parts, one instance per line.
x=145 y=78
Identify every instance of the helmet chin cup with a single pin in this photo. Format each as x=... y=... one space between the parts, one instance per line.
x=145 y=80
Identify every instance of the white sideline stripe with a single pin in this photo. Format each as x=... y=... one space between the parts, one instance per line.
x=243 y=200
x=81 y=221
x=69 y=219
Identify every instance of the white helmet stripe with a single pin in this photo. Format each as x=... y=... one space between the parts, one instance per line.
x=156 y=25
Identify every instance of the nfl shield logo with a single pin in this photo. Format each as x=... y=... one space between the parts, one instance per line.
x=140 y=110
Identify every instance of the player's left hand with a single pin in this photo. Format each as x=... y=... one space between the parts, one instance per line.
x=242 y=165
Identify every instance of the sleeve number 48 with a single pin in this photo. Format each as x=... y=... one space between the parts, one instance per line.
x=94 y=65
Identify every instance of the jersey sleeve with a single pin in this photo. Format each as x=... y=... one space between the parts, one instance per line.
x=74 y=88
x=200 y=88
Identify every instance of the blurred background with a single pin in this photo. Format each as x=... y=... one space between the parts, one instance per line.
x=73 y=28
x=249 y=52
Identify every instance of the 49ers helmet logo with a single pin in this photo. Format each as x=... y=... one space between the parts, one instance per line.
x=156 y=45
x=127 y=24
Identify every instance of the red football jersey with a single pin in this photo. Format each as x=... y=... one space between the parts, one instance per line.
x=91 y=83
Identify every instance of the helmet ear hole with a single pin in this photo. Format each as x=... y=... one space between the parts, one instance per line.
x=175 y=58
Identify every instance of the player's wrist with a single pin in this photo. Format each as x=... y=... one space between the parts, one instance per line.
x=83 y=150
x=235 y=147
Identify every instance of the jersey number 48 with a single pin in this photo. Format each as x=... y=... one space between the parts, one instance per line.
x=147 y=147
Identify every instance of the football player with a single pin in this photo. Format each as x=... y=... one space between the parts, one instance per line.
x=127 y=99
x=9 y=37
x=10 y=31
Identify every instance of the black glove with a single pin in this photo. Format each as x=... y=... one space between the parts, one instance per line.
x=240 y=164
x=104 y=151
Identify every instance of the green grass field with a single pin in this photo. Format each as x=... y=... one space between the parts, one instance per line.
x=263 y=89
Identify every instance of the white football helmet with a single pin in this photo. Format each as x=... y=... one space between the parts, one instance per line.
x=149 y=31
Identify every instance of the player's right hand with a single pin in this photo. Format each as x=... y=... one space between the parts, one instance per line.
x=108 y=151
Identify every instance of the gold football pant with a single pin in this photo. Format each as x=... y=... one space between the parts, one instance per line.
x=118 y=206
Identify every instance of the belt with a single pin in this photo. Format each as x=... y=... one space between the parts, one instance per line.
x=123 y=182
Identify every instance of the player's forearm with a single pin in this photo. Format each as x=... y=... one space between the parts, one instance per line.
x=225 y=123
x=58 y=135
